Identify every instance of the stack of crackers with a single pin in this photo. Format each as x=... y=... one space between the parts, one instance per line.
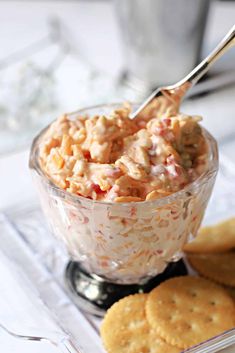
x=182 y=311
x=212 y=254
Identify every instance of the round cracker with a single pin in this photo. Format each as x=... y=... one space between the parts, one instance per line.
x=126 y=330
x=214 y=239
x=217 y=267
x=188 y=310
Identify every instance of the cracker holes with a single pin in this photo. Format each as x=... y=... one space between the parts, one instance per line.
x=193 y=294
x=210 y=319
x=188 y=327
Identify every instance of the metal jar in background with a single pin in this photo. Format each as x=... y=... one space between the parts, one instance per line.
x=161 y=39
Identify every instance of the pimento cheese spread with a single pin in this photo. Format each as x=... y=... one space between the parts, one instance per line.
x=115 y=159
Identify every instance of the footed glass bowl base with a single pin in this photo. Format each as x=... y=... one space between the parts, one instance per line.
x=95 y=295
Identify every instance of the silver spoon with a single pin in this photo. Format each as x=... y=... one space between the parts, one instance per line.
x=64 y=343
x=175 y=93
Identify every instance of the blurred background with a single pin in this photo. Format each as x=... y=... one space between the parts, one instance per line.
x=59 y=56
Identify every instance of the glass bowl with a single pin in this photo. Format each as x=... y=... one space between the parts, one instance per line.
x=124 y=243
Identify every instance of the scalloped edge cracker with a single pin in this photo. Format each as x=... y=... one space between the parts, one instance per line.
x=217 y=267
x=125 y=329
x=188 y=310
x=214 y=239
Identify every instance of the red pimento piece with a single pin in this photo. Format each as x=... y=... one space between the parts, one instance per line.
x=163 y=129
x=167 y=121
x=87 y=155
x=97 y=189
x=133 y=211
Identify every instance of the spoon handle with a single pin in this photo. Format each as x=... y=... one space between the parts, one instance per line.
x=177 y=91
x=201 y=69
